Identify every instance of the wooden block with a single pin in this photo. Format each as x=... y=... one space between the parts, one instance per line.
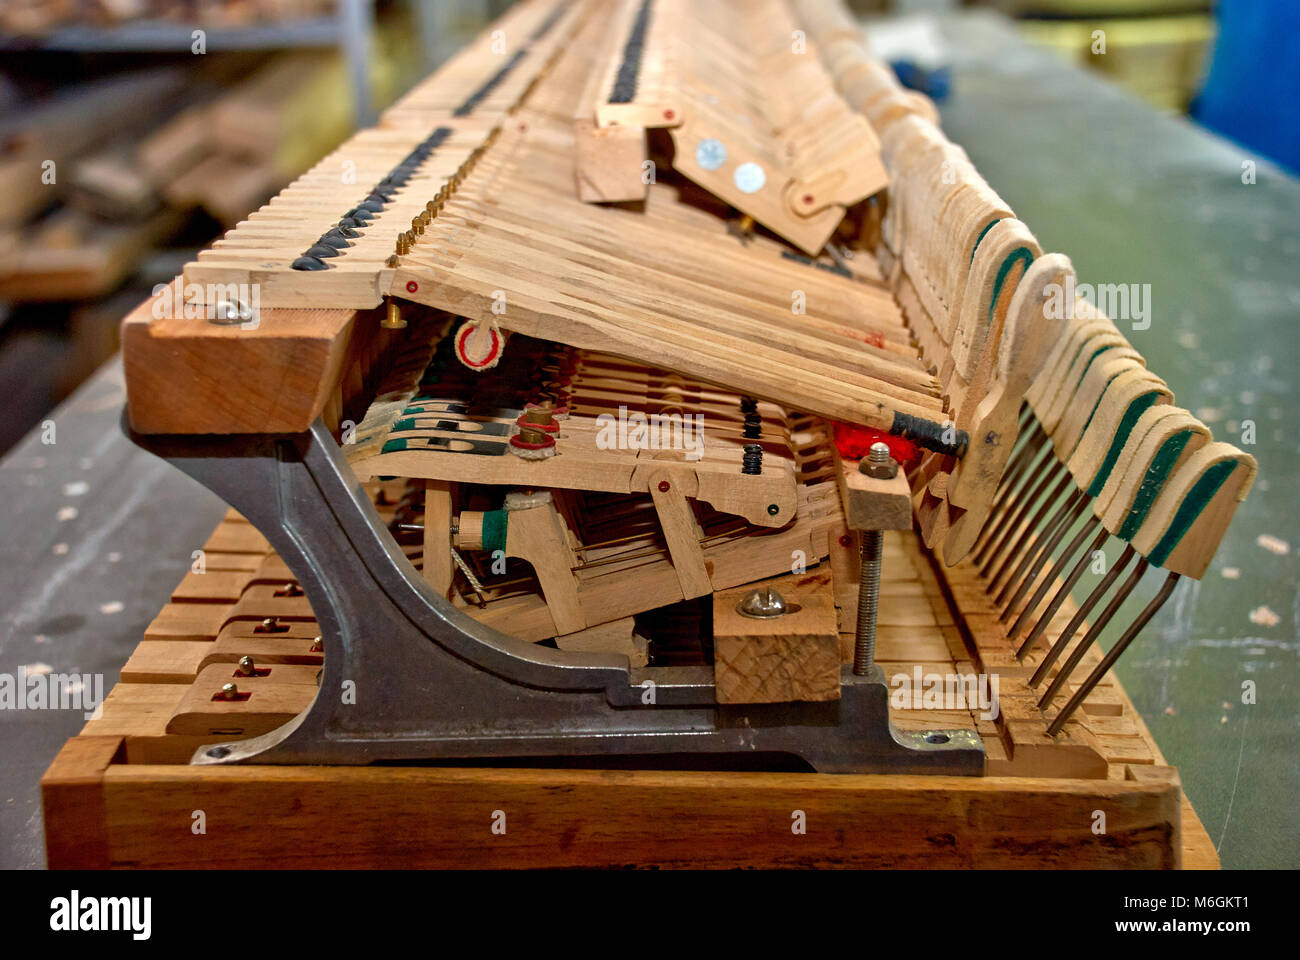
x=437 y=566
x=682 y=535
x=609 y=163
x=72 y=800
x=272 y=700
x=233 y=536
x=871 y=504
x=166 y=661
x=289 y=367
x=571 y=818
x=792 y=657
x=212 y=586
x=136 y=709
x=187 y=621
x=617 y=636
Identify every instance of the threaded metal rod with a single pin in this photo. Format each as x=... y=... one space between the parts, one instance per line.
x=864 y=650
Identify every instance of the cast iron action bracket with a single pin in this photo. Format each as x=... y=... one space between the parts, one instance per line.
x=429 y=682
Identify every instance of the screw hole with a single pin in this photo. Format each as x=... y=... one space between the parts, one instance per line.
x=937 y=738
x=217 y=753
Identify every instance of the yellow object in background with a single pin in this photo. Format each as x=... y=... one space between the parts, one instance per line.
x=1161 y=59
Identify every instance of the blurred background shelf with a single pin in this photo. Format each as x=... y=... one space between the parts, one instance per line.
x=133 y=132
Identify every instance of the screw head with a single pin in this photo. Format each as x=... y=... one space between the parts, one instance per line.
x=763 y=603
x=269 y=623
x=229 y=691
x=246 y=666
x=229 y=312
x=878 y=463
x=317 y=645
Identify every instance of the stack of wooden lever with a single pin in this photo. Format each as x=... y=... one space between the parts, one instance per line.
x=536 y=270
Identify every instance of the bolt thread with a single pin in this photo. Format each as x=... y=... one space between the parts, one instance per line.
x=752 y=461
x=864 y=648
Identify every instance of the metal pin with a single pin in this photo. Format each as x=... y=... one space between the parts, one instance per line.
x=318 y=645
x=1000 y=505
x=246 y=667
x=1030 y=565
x=1080 y=615
x=1043 y=466
x=1094 y=631
x=228 y=691
x=864 y=647
x=1002 y=560
x=1084 y=532
x=1076 y=655
x=1116 y=651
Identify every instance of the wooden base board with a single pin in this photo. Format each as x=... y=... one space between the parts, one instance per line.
x=103 y=812
x=123 y=795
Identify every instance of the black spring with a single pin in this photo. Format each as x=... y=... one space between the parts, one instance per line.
x=752 y=463
x=753 y=426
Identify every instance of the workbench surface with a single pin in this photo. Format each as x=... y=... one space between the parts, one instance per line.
x=97 y=532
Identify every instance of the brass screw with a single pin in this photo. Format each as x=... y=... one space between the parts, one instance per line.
x=246 y=667
x=317 y=645
x=540 y=415
x=529 y=435
x=393 y=318
x=417 y=226
x=403 y=245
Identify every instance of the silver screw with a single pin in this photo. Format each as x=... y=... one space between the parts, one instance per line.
x=762 y=604
x=228 y=691
x=246 y=666
x=864 y=648
x=878 y=462
x=317 y=645
x=227 y=313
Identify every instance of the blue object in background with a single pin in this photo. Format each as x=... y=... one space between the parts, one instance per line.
x=932 y=82
x=1252 y=93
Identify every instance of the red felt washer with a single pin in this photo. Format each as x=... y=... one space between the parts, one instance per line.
x=544 y=427
x=492 y=355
